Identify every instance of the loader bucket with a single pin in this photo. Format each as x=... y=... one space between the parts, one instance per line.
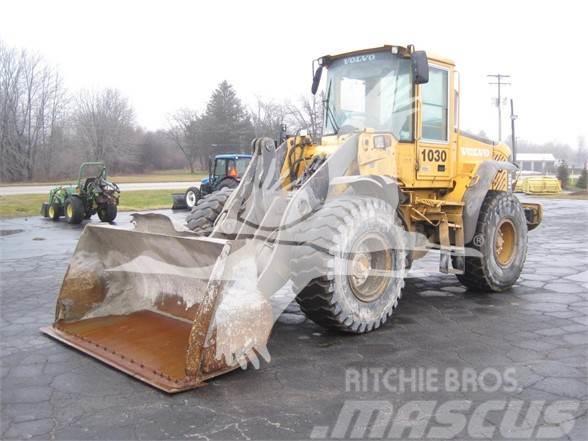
x=169 y=309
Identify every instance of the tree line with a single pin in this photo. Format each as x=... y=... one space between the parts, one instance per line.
x=46 y=131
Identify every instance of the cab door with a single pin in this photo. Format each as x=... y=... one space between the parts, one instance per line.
x=434 y=150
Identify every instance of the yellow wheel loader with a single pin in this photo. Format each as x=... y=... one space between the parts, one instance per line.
x=334 y=223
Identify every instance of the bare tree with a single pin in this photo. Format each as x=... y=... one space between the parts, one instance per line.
x=268 y=118
x=32 y=102
x=308 y=115
x=104 y=122
x=185 y=130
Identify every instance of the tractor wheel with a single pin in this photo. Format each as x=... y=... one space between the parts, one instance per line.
x=227 y=183
x=53 y=211
x=191 y=197
x=74 y=210
x=203 y=216
x=500 y=245
x=349 y=270
x=107 y=212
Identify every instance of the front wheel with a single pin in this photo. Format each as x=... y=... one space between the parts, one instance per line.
x=349 y=269
x=107 y=212
x=499 y=246
x=191 y=197
x=54 y=211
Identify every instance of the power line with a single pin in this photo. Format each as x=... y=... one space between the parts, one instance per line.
x=499 y=82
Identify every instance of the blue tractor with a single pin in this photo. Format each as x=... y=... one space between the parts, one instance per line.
x=224 y=172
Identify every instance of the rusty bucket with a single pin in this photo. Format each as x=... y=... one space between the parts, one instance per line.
x=169 y=309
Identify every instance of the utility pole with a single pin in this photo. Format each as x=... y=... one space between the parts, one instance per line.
x=513 y=117
x=499 y=81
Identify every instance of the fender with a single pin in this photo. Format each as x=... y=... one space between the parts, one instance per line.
x=476 y=193
x=382 y=187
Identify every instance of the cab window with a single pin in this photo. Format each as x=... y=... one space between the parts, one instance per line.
x=242 y=164
x=220 y=167
x=435 y=105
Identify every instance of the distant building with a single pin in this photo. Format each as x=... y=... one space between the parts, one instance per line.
x=536 y=162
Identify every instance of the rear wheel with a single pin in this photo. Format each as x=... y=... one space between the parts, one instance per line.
x=227 y=183
x=203 y=216
x=107 y=212
x=74 y=210
x=500 y=245
x=191 y=197
x=349 y=272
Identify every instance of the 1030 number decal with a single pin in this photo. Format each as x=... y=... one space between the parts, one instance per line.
x=433 y=155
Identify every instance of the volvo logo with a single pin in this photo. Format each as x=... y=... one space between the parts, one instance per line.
x=360 y=59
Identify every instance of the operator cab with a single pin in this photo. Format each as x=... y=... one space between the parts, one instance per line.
x=375 y=89
x=227 y=167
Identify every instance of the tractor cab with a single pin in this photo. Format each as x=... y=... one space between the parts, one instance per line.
x=226 y=171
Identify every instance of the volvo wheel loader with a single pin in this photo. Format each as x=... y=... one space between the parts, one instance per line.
x=334 y=223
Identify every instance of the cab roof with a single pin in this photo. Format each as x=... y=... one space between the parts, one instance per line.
x=402 y=50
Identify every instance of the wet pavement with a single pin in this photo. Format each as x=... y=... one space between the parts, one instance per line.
x=539 y=330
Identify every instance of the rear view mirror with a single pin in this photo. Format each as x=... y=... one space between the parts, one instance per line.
x=420 y=67
x=316 y=80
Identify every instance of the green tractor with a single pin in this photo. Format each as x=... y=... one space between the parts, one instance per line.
x=92 y=194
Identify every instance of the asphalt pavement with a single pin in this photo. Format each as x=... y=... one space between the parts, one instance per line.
x=533 y=338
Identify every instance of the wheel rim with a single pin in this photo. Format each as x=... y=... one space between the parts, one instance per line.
x=69 y=210
x=191 y=199
x=369 y=267
x=51 y=211
x=505 y=242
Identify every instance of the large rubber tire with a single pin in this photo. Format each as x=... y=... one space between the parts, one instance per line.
x=484 y=271
x=107 y=212
x=191 y=197
x=74 y=210
x=227 y=183
x=321 y=267
x=203 y=216
x=54 y=211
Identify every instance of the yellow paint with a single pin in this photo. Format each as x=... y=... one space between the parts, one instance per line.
x=538 y=185
x=434 y=175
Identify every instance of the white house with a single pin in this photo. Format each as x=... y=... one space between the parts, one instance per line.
x=536 y=162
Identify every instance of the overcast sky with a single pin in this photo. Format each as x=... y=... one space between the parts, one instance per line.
x=171 y=54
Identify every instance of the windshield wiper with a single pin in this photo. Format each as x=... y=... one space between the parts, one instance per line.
x=329 y=111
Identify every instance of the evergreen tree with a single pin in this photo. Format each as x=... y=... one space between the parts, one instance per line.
x=583 y=179
x=226 y=123
x=563 y=174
